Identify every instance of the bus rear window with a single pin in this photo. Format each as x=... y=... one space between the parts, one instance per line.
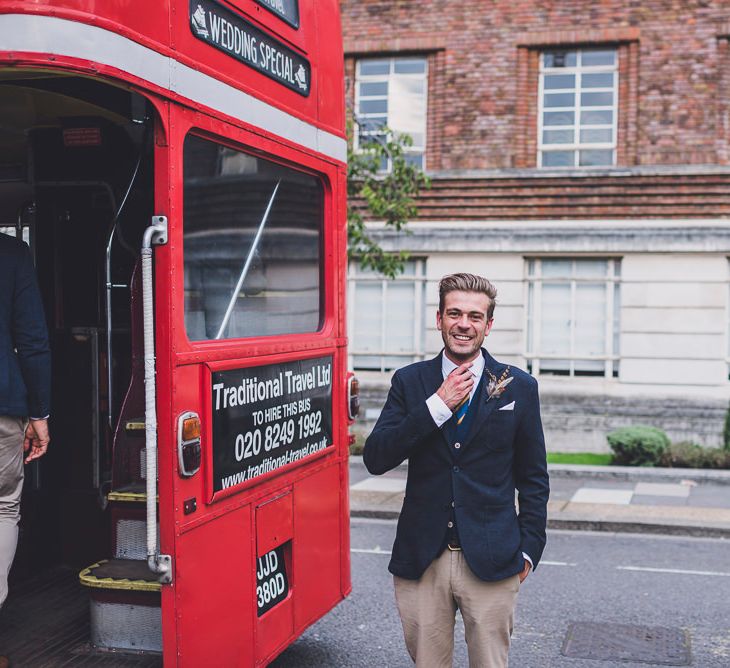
x=252 y=245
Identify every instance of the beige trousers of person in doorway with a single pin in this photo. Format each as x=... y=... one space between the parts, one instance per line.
x=427 y=608
x=11 y=486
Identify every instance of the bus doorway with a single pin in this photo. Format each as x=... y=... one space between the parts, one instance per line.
x=76 y=184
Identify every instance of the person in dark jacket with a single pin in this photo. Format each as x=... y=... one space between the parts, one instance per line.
x=25 y=388
x=470 y=429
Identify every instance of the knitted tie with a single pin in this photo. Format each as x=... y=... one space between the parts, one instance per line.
x=462 y=409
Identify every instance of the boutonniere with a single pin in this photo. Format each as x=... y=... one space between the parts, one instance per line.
x=496 y=387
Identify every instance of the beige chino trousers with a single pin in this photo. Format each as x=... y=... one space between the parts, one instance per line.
x=11 y=486
x=428 y=607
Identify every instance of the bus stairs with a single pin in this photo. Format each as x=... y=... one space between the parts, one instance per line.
x=125 y=611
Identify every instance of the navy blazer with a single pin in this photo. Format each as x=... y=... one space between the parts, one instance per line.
x=504 y=451
x=25 y=356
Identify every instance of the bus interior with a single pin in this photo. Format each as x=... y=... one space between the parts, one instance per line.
x=76 y=183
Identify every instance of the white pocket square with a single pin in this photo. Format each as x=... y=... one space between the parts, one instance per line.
x=508 y=407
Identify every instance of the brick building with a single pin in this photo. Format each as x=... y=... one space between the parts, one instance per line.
x=580 y=159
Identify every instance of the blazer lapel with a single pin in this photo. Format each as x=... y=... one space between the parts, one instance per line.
x=485 y=406
x=432 y=376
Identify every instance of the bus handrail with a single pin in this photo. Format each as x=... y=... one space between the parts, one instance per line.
x=156 y=234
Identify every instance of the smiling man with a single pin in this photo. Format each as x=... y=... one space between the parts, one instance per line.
x=470 y=429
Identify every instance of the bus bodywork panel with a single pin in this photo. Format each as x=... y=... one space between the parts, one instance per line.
x=160 y=45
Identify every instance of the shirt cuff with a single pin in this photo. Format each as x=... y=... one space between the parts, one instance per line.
x=39 y=418
x=440 y=412
x=527 y=556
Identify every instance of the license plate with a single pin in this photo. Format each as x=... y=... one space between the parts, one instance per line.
x=272 y=586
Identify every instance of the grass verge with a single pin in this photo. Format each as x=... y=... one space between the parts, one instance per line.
x=590 y=458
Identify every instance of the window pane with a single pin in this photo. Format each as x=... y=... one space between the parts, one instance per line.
x=399 y=316
x=551 y=81
x=373 y=88
x=604 y=99
x=366 y=329
x=598 y=57
x=591 y=268
x=367 y=362
x=558 y=118
x=555 y=325
x=590 y=319
x=597 y=80
x=559 y=58
x=408 y=106
x=409 y=66
x=597 y=117
x=596 y=158
x=418 y=139
x=415 y=159
x=596 y=135
x=557 y=268
x=226 y=196
x=374 y=67
x=369 y=140
x=557 y=136
x=373 y=106
x=558 y=158
x=559 y=99
x=560 y=367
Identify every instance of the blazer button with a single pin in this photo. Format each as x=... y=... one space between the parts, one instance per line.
x=457 y=445
x=450 y=525
x=456 y=469
x=453 y=505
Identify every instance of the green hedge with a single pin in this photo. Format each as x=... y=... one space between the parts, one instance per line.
x=640 y=445
x=693 y=456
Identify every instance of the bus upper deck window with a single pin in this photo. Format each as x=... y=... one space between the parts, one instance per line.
x=252 y=245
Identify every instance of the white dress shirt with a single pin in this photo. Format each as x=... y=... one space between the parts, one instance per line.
x=440 y=412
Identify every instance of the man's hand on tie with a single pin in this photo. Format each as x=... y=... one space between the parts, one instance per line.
x=457 y=386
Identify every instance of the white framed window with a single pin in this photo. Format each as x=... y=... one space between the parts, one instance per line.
x=573 y=310
x=386 y=317
x=578 y=105
x=392 y=92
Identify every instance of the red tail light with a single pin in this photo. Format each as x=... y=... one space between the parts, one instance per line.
x=353 y=397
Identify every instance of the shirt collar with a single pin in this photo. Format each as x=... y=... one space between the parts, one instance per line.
x=477 y=368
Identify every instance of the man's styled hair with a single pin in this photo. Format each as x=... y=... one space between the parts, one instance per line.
x=467 y=283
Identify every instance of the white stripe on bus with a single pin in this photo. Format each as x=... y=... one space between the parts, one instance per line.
x=47 y=34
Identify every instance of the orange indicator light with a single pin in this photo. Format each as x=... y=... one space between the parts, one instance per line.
x=191 y=429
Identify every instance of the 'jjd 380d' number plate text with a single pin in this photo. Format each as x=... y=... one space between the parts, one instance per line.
x=272 y=585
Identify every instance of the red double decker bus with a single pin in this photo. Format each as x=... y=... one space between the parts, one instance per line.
x=178 y=169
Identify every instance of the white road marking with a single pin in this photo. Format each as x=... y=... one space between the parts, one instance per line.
x=556 y=563
x=674 y=571
x=377 y=550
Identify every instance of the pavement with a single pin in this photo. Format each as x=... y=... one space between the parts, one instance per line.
x=692 y=502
